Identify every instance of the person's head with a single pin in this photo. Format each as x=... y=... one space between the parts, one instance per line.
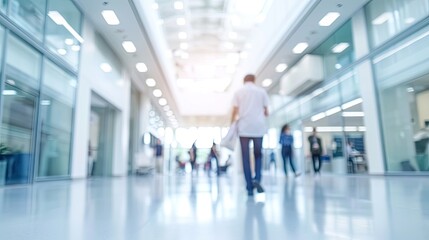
x=285 y=128
x=249 y=78
x=314 y=131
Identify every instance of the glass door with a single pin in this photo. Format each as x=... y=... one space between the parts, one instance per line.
x=17 y=136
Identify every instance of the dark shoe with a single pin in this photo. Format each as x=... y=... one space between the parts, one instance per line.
x=258 y=187
x=250 y=193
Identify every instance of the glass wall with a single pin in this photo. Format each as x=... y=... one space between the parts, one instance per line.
x=387 y=18
x=38 y=94
x=403 y=87
x=29 y=15
x=56 y=114
x=63 y=30
x=338 y=50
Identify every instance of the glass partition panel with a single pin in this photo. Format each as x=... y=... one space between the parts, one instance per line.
x=56 y=116
x=17 y=136
x=23 y=63
x=29 y=15
x=63 y=30
x=402 y=78
x=349 y=85
x=386 y=18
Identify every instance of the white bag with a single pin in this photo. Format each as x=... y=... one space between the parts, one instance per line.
x=231 y=137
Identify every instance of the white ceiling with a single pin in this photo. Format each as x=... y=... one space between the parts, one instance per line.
x=208 y=26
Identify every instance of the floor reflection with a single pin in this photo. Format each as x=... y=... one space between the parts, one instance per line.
x=202 y=207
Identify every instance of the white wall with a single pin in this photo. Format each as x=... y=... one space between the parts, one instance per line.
x=114 y=87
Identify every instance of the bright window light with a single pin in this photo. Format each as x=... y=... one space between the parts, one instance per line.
x=228 y=45
x=157 y=93
x=353 y=114
x=110 y=17
x=178 y=5
x=281 y=67
x=318 y=117
x=150 y=82
x=106 y=67
x=332 y=111
x=329 y=18
x=162 y=101
x=243 y=55
x=382 y=18
x=233 y=35
x=267 y=82
x=141 y=67
x=340 y=47
x=59 y=20
x=181 y=21
x=250 y=7
x=351 y=103
x=300 y=48
x=182 y=35
x=129 y=46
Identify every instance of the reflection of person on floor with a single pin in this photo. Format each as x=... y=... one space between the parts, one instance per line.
x=319 y=207
x=290 y=214
x=286 y=141
x=272 y=161
x=316 y=151
x=255 y=219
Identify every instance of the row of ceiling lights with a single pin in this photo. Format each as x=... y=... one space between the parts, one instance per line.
x=299 y=48
x=111 y=18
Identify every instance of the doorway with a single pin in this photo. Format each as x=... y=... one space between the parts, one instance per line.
x=101 y=137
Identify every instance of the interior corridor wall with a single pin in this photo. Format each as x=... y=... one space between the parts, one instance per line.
x=114 y=87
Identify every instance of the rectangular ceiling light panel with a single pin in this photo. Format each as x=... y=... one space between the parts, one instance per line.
x=110 y=17
x=329 y=18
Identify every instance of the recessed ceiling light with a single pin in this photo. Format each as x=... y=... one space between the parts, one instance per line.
x=184 y=46
x=410 y=20
x=62 y=51
x=157 y=93
x=129 y=46
x=340 y=47
x=267 y=82
x=106 y=67
x=162 y=101
x=178 y=5
x=300 y=48
x=150 y=82
x=318 y=117
x=332 y=111
x=181 y=21
x=382 y=18
x=338 y=66
x=75 y=48
x=59 y=20
x=169 y=113
x=410 y=90
x=281 y=67
x=329 y=18
x=351 y=103
x=166 y=108
x=353 y=114
x=182 y=35
x=9 y=92
x=110 y=17
x=141 y=67
x=69 y=41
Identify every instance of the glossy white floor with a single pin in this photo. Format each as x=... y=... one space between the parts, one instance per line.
x=203 y=208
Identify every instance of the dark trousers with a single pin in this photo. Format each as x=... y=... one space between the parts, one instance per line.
x=245 y=152
x=287 y=154
x=318 y=166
